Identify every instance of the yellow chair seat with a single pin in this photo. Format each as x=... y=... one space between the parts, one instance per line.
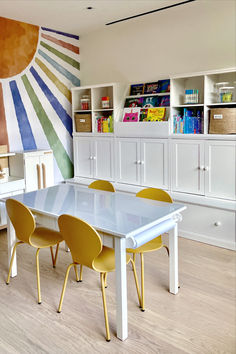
x=43 y=237
x=150 y=246
x=105 y=262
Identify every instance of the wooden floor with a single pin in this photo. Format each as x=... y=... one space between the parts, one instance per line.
x=200 y=319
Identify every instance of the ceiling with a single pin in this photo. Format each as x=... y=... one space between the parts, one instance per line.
x=74 y=17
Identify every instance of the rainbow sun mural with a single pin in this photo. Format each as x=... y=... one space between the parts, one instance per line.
x=38 y=66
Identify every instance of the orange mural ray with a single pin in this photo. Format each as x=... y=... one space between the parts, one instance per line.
x=3 y=126
x=18 y=44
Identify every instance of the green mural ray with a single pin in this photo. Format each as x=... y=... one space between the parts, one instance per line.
x=62 y=56
x=63 y=160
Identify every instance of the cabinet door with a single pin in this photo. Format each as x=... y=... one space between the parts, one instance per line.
x=33 y=179
x=128 y=161
x=154 y=163
x=83 y=157
x=188 y=166
x=46 y=165
x=103 y=158
x=220 y=165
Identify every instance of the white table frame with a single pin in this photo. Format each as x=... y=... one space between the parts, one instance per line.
x=120 y=254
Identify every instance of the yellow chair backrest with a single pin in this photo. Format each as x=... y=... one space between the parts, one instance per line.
x=82 y=239
x=155 y=194
x=102 y=185
x=22 y=219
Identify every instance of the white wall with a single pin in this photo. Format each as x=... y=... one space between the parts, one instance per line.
x=197 y=36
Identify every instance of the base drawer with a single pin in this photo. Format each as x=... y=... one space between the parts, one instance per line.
x=210 y=225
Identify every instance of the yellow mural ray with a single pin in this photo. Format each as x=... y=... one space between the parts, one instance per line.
x=61 y=87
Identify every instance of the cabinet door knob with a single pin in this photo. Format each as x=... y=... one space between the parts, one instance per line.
x=137 y=162
x=201 y=168
x=90 y=157
x=94 y=158
x=142 y=162
x=206 y=168
x=217 y=223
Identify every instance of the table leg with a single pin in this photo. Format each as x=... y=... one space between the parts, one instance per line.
x=173 y=260
x=121 y=288
x=11 y=238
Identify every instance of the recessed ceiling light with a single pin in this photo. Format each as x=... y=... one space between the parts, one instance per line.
x=89 y=8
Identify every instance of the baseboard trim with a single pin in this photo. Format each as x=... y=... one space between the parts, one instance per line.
x=209 y=240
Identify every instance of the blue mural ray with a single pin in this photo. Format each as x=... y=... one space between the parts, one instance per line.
x=72 y=78
x=61 y=112
x=27 y=137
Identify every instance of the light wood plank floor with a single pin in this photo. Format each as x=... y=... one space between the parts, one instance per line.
x=200 y=319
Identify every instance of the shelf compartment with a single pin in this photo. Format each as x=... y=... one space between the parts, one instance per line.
x=179 y=85
x=77 y=93
x=210 y=81
x=98 y=93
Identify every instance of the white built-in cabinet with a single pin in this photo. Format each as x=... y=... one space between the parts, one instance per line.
x=198 y=170
x=35 y=166
x=94 y=157
x=204 y=167
x=142 y=162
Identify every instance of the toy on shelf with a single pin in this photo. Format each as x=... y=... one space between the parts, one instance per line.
x=191 y=96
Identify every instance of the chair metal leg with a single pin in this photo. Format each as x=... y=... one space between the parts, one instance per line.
x=105 y=280
x=142 y=281
x=134 y=257
x=64 y=286
x=102 y=276
x=52 y=255
x=81 y=273
x=56 y=254
x=12 y=259
x=38 y=276
x=136 y=282
x=76 y=273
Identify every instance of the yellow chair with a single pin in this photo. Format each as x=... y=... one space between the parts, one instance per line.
x=156 y=243
x=86 y=249
x=26 y=231
x=102 y=185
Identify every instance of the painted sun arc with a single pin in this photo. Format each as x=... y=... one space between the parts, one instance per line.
x=18 y=44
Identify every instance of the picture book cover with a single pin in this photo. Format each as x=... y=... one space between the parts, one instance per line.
x=156 y=114
x=151 y=87
x=150 y=102
x=136 y=89
x=164 y=101
x=131 y=114
x=134 y=102
x=164 y=86
x=143 y=114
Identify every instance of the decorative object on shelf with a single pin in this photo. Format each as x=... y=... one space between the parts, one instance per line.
x=105 y=102
x=83 y=122
x=134 y=102
x=150 y=102
x=226 y=94
x=85 y=102
x=131 y=114
x=136 y=89
x=151 y=87
x=216 y=94
x=223 y=121
x=191 y=97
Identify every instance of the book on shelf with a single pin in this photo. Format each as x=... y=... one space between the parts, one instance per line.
x=131 y=114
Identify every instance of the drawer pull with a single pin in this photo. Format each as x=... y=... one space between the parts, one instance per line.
x=217 y=223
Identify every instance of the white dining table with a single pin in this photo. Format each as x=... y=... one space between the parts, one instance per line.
x=127 y=222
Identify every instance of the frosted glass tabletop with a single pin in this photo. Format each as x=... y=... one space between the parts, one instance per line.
x=116 y=213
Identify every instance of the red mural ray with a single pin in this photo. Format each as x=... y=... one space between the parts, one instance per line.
x=63 y=44
x=3 y=125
